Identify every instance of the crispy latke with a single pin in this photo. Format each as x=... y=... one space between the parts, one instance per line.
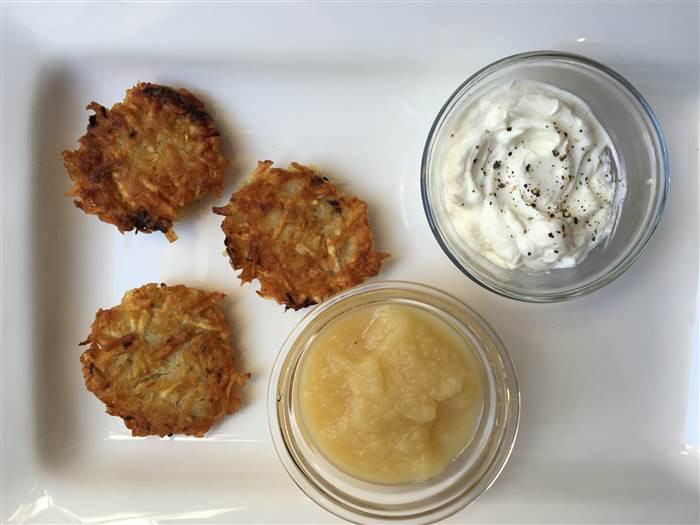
x=163 y=362
x=294 y=232
x=148 y=156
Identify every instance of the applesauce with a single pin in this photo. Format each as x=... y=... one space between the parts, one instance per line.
x=390 y=393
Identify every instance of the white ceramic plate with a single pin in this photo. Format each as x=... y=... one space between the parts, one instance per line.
x=609 y=426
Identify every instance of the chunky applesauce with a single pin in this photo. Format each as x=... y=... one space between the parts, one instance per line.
x=390 y=393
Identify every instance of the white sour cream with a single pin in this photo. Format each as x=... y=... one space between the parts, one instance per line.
x=530 y=178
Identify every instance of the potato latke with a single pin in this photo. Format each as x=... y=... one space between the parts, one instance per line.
x=163 y=362
x=144 y=159
x=294 y=232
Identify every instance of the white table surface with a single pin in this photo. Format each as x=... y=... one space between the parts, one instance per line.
x=609 y=418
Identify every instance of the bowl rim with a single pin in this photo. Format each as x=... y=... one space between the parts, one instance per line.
x=625 y=263
x=308 y=487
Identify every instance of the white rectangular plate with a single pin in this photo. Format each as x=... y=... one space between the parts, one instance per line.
x=607 y=431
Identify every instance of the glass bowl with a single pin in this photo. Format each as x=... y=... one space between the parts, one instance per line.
x=642 y=154
x=469 y=474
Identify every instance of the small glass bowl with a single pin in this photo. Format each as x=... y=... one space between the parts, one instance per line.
x=468 y=476
x=641 y=150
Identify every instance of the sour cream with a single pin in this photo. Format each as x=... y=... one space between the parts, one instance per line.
x=530 y=178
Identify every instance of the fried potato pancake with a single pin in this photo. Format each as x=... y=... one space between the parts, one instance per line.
x=163 y=362
x=294 y=232
x=144 y=159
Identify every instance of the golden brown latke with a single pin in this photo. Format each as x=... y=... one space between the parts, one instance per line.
x=294 y=232
x=163 y=362
x=148 y=156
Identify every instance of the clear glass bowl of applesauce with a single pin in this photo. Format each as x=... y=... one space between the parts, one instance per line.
x=360 y=498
